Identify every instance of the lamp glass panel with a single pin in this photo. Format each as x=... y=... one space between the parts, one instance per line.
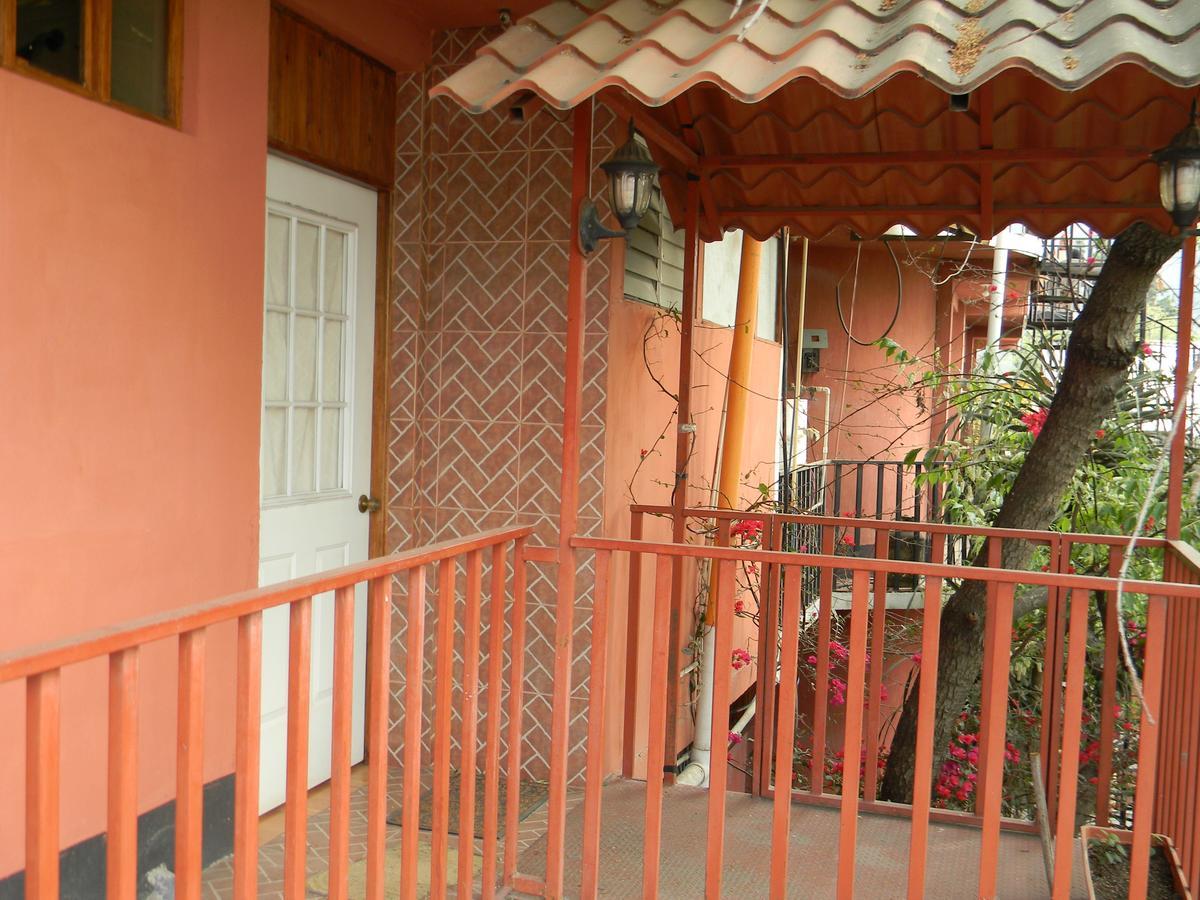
x=624 y=193
x=645 y=189
x=1187 y=185
x=1166 y=186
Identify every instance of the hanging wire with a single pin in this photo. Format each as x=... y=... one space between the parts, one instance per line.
x=837 y=292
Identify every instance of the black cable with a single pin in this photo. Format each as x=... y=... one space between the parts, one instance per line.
x=837 y=293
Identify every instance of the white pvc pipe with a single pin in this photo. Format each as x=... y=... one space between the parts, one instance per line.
x=996 y=299
x=696 y=771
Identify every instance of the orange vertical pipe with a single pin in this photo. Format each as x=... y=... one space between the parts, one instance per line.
x=737 y=392
x=189 y=767
x=495 y=688
x=852 y=746
x=1183 y=361
x=589 y=878
x=470 y=722
x=926 y=698
x=246 y=764
x=42 y=733
x=121 y=868
x=339 y=759
x=568 y=510
x=785 y=732
x=295 y=812
x=414 y=686
x=379 y=667
x=1143 y=801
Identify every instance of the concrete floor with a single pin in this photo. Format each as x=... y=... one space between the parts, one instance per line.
x=882 y=851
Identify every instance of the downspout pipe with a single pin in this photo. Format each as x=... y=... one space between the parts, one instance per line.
x=997 y=289
x=737 y=397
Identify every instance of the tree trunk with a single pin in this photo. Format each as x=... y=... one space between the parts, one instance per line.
x=1102 y=347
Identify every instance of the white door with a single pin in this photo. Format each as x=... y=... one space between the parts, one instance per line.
x=316 y=435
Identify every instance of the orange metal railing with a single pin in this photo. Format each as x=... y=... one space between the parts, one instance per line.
x=1069 y=597
x=1176 y=809
x=41 y=668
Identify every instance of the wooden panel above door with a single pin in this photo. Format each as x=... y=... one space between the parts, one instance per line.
x=328 y=102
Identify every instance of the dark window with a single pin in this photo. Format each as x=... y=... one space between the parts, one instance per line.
x=50 y=36
x=125 y=52
x=141 y=37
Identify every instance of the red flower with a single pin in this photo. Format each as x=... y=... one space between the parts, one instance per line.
x=1035 y=421
x=741 y=659
x=1099 y=432
x=738 y=606
x=735 y=738
x=747 y=528
x=1146 y=351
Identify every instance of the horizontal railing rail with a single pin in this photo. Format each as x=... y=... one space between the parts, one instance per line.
x=1069 y=597
x=479 y=755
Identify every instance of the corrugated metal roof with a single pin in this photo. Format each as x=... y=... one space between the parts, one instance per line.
x=572 y=49
x=1089 y=88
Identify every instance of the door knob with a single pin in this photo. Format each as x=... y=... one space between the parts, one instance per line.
x=367 y=504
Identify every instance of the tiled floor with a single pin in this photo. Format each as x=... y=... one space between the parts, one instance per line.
x=218 y=877
x=882 y=852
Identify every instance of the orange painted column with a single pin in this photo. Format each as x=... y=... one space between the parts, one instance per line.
x=568 y=515
x=737 y=394
x=1183 y=360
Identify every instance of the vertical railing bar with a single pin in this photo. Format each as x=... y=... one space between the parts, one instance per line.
x=1108 y=693
x=1058 y=638
x=660 y=683
x=632 y=635
x=926 y=701
x=247 y=756
x=837 y=489
x=785 y=731
x=598 y=671
x=495 y=688
x=1186 y=827
x=339 y=758
x=992 y=751
x=121 y=839
x=821 y=688
x=994 y=561
x=718 y=774
x=468 y=750
x=379 y=667
x=443 y=696
x=1072 y=727
x=516 y=679
x=1166 y=784
x=879 y=474
x=1049 y=751
x=858 y=491
x=852 y=746
x=414 y=688
x=899 y=513
x=1143 y=812
x=189 y=767
x=295 y=814
x=875 y=682
x=916 y=493
x=764 y=724
x=42 y=750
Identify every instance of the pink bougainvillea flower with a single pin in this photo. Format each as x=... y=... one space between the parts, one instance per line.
x=1035 y=421
x=839 y=650
x=1146 y=350
x=738 y=606
x=916 y=657
x=747 y=528
x=735 y=738
x=812 y=660
x=741 y=658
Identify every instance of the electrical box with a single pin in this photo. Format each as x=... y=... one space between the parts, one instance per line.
x=812 y=342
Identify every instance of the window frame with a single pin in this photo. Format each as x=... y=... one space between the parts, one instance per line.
x=97 y=58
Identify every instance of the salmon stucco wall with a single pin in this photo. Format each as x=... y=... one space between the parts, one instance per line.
x=130 y=358
x=638 y=415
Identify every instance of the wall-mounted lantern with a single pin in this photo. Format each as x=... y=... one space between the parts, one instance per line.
x=1179 y=175
x=631 y=172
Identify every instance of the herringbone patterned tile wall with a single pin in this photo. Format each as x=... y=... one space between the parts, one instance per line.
x=480 y=236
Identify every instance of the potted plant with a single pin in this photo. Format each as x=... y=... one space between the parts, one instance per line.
x=1106 y=865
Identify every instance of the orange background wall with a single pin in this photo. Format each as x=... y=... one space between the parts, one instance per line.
x=130 y=356
x=637 y=412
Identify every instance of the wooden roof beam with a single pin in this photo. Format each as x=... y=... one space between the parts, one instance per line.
x=918 y=157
